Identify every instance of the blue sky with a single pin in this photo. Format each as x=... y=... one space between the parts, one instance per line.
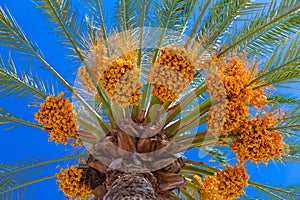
x=25 y=142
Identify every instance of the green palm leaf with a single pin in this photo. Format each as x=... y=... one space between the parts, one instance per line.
x=294 y=188
x=172 y=14
x=19 y=190
x=221 y=17
x=66 y=20
x=11 y=29
x=128 y=14
x=11 y=35
x=269 y=193
x=216 y=154
x=264 y=30
x=282 y=66
x=270 y=189
x=57 y=11
x=284 y=99
x=21 y=84
x=96 y=18
x=290 y=158
x=294 y=148
x=18 y=175
x=10 y=119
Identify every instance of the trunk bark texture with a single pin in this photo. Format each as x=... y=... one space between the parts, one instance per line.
x=130 y=186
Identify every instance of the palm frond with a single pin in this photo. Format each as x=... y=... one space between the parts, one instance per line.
x=93 y=10
x=296 y=110
x=294 y=188
x=198 y=80
x=93 y=31
x=248 y=198
x=199 y=169
x=202 y=10
x=96 y=19
x=21 y=166
x=187 y=14
x=7 y=118
x=11 y=35
x=171 y=20
x=291 y=118
x=284 y=99
x=221 y=17
x=142 y=24
x=186 y=194
x=290 y=158
x=66 y=20
x=11 y=29
x=18 y=175
x=282 y=66
x=263 y=32
x=216 y=154
x=11 y=192
x=128 y=14
x=282 y=192
x=294 y=148
x=21 y=84
x=269 y=193
x=59 y=10
x=173 y=14
x=195 y=189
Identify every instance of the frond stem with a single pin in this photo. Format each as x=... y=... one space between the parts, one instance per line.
x=103 y=27
x=141 y=33
x=191 y=169
x=126 y=15
x=185 y=102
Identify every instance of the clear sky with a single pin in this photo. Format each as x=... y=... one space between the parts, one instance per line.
x=25 y=142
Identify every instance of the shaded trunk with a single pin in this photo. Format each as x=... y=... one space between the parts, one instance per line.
x=130 y=186
x=133 y=186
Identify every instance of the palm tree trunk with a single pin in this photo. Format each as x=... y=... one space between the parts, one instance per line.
x=135 y=186
x=122 y=186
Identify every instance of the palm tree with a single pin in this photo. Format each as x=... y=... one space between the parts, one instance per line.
x=204 y=78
